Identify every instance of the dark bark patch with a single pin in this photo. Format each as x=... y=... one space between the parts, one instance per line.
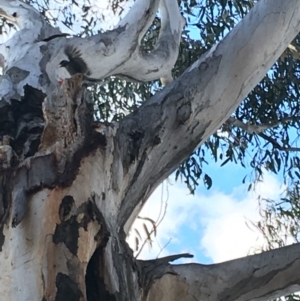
x=42 y=173
x=97 y=280
x=55 y=36
x=156 y=140
x=68 y=233
x=65 y=207
x=94 y=142
x=183 y=113
x=16 y=74
x=94 y=278
x=92 y=213
x=136 y=138
x=103 y=235
x=87 y=210
x=203 y=66
x=23 y=121
x=95 y=284
x=19 y=206
x=44 y=79
x=5 y=195
x=39 y=172
x=194 y=127
x=2 y=238
x=67 y=289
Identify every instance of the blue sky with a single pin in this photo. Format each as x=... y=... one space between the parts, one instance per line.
x=214 y=225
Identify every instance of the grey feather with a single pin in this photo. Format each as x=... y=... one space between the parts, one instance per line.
x=76 y=63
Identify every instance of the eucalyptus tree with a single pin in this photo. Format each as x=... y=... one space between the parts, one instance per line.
x=73 y=180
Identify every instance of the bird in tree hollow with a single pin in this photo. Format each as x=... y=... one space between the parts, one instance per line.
x=74 y=64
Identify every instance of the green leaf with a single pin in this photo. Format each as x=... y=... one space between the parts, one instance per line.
x=207 y=181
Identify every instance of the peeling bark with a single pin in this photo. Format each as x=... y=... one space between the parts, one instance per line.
x=70 y=188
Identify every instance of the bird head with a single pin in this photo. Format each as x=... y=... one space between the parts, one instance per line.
x=18 y=13
x=62 y=71
x=64 y=63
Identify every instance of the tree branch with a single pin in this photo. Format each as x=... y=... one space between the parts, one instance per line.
x=257 y=128
x=249 y=278
x=158 y=63
x=248 y=127
x=277 y=145
x=154 y=140
x=117 y=52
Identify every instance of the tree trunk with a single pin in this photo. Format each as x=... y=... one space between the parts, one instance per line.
x=70 y=188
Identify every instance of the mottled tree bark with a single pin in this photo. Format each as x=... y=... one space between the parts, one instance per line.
x=70 y=188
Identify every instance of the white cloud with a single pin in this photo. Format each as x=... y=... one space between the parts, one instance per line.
x=179 y=203
x=228 y=235
x=219 y=219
